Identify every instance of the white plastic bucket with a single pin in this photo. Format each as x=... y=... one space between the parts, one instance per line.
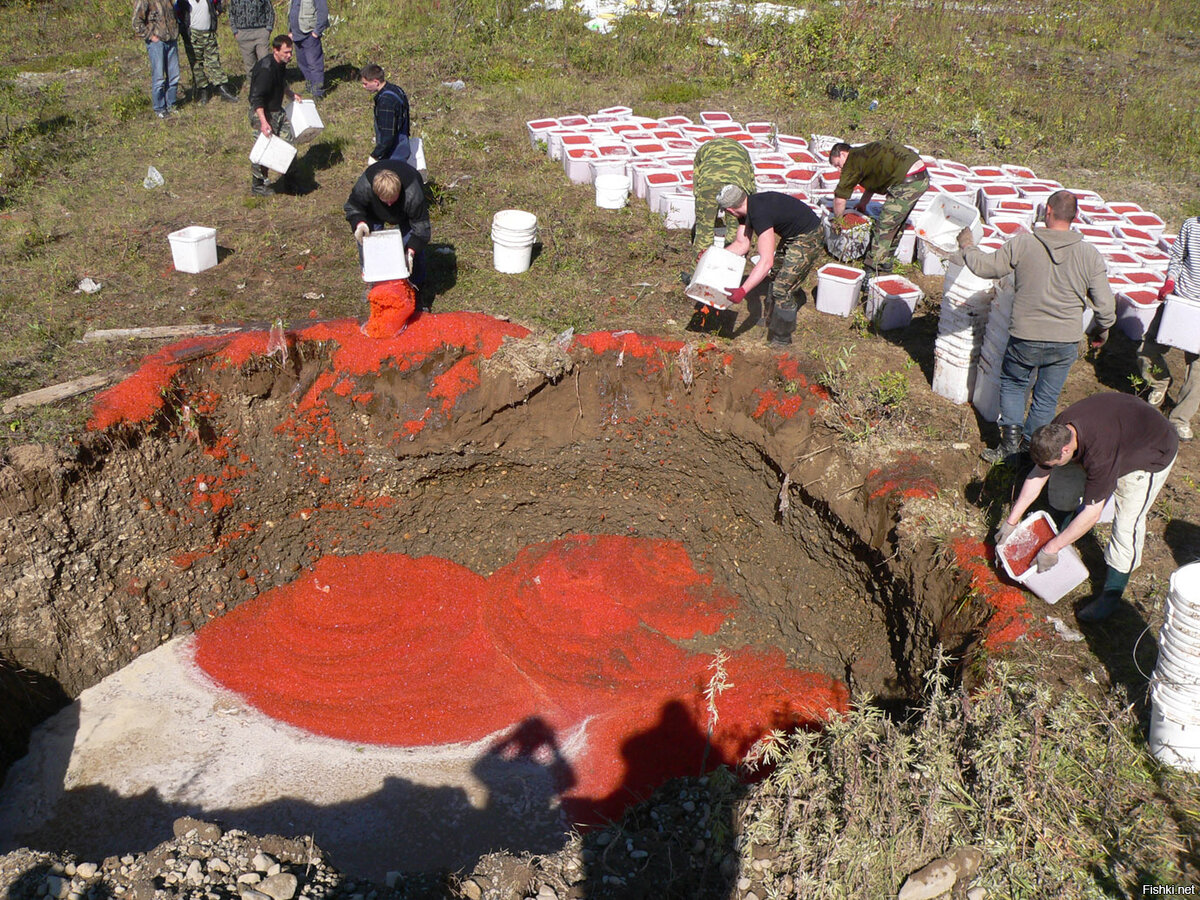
x=1172 y=742
x=838 y=288
x=946 y=217
x=891 y=300
x=305 y=120
x=383 y=256
x=193 y=249
x=717 y=272
x=1054 y=584
x=514 y=232
x=1180 y=327
x=273 y=152
x=612 y=190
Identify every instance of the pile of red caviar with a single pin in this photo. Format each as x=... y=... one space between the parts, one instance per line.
x=585 y=631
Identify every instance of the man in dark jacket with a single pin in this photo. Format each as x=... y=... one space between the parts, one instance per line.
x=391 y=192
x=882 y=167
x=391 y=116
x=1056 y=274
x=788 y=241
x=1126 y=449
x=198 y=28
x=268 y=84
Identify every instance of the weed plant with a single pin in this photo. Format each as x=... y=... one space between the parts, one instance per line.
x=1057 y=790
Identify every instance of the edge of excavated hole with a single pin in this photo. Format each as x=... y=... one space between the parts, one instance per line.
x=871 y=519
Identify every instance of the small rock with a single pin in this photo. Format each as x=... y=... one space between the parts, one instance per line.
x=249 y=878
x=976 y=893
x=391 y=878
x=262 y=862
x=69 y=869
x=638 y=854
x=251 y=894
x=961 y=445
x=750 y=895
x=471 y=890
x=195 y=873
x=545 y=892
x=280 y=886
x=86 y=870
x=56 y=886
x=218 y=865
x=274 y=870
x=743 y=884
x=604 y=838
x=931 y=881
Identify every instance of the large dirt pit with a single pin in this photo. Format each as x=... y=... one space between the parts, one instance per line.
x=573 y=569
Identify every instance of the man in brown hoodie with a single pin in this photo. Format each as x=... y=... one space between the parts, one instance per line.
x=1056 y=275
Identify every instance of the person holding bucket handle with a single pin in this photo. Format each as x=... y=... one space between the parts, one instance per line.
x=268 y=84
x=390 y=116
x=718 y=162
x=882 y=167
x=789 y=242
x=1126 y=449
x=1183 y=280
x=155 y=23
x=1056 y=274
x=391 y=192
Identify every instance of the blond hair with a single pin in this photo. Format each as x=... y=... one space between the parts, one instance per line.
x=387 y=186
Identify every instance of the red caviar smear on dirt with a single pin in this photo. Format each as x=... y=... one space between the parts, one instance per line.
x=909 y=477
x=1010 y=619
x=461 y=377
x=388 y=649
x=631 y=343
x=185 y=560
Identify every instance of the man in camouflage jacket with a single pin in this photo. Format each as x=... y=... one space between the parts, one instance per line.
x=154 y=22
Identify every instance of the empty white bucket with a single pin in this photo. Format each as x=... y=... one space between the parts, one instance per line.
x=194 y=248
x=514 y=232
x=946 y=217
x=383 y=256
x=305 y=120
x=273 y=152
x=612 y=190
x=717 y=272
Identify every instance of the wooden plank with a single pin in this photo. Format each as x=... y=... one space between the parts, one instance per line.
x=62 y=391
x=158 y=331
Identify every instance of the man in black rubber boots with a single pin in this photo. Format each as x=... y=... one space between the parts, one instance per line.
x=268 y=85
x=789 y=242
x=1125 y=448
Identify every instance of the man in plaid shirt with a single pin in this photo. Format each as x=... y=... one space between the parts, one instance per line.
x=391 y=116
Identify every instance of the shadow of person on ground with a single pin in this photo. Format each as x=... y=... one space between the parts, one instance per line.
x=1183 y=538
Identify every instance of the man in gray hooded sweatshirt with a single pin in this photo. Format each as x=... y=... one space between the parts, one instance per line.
x=1056 y=275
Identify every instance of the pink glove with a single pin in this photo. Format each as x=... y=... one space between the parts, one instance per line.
x=1168 y=286
x=737 y=295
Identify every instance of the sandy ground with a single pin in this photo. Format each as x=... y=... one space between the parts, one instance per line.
x=158 y=739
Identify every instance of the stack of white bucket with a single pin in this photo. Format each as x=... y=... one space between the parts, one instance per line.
x=514 y=233
x=985 y=392
x=964 y=317
x=1175 y=688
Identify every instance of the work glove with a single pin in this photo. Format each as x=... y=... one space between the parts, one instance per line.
x=361 y=230
x=737 y=295
x=1098 y=338
x=1168 y=286
x=966 y=239
x=1046 y=560
x=371 y=161
x=1004 y=531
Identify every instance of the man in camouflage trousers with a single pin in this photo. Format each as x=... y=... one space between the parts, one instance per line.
x=789 y=243
x=718 y=162
x=198 y=28
x=882 y=167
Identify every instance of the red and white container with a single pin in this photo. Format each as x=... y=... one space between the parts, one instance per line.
x=1136 y=308
x=891 y=300
x=838 y=288
x=1024 y=543
x=1148 y=221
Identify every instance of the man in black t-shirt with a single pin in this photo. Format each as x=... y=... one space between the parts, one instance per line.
x=1126 y=448
x=789 y=242
x=268 y=87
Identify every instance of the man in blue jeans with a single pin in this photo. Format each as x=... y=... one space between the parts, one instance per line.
x=154 y=22
x=1056 y=275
